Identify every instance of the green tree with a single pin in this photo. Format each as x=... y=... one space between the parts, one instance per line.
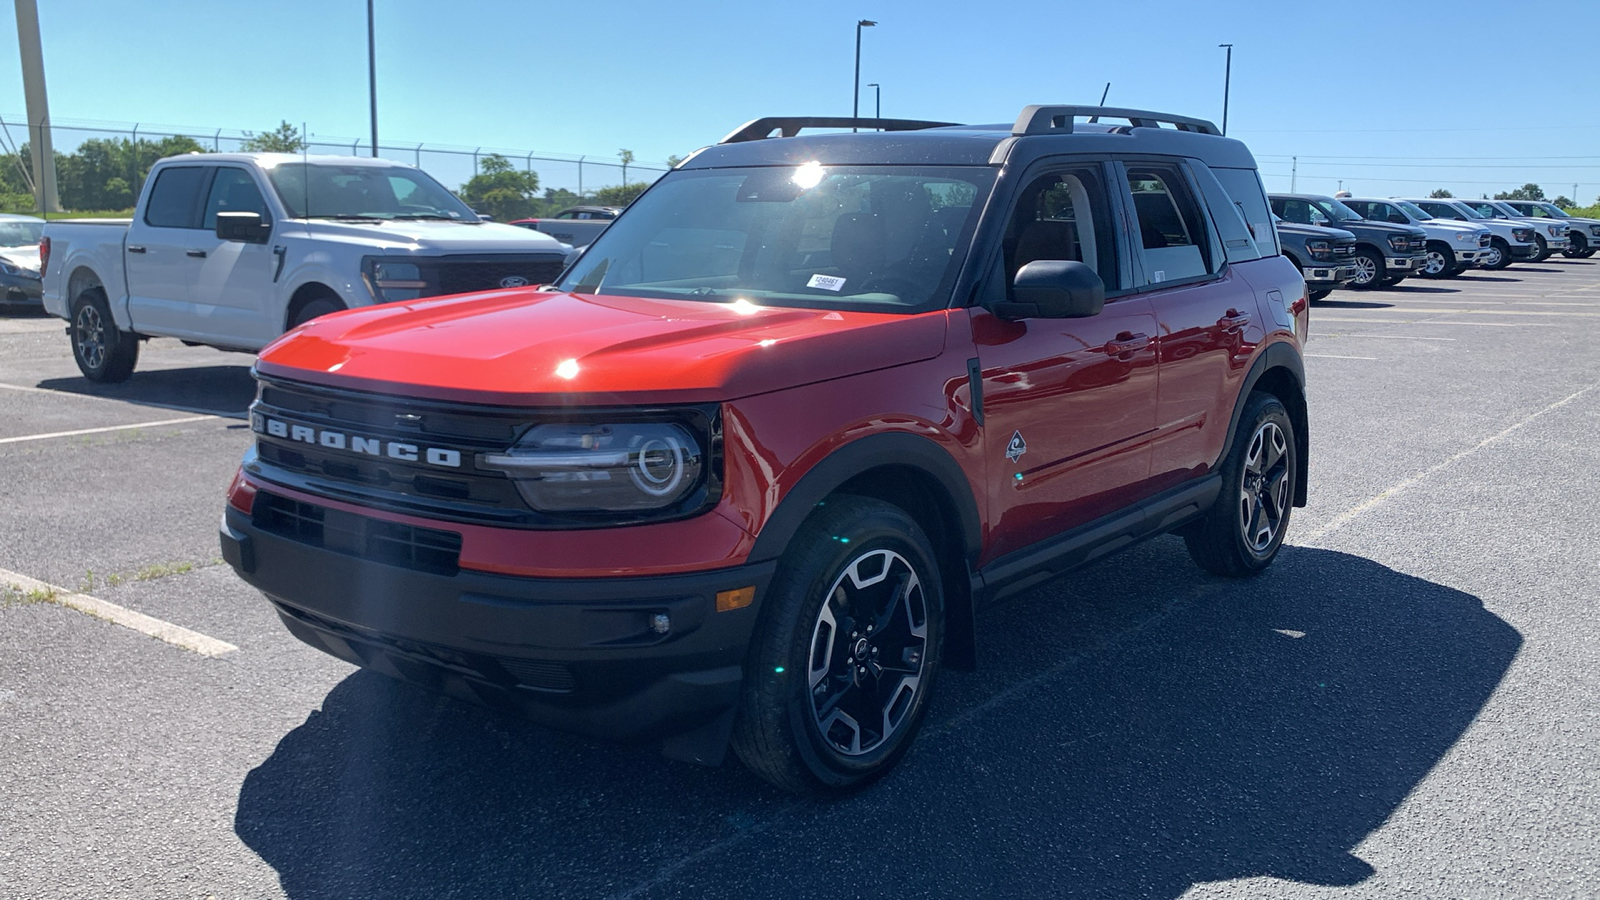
x=674 y=161
x=501 y=191
x=284 y=139
x=627 y=157
x=618 y=195
x=108 y=173
x=1529 y=191
x=1564 y=202
x=555 y=200
x=1440 y=194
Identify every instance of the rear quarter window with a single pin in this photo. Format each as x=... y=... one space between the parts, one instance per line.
x=1244 y=188
x=1238 y=243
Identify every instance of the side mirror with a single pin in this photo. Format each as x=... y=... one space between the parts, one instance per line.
x=243 y=226
x=1054 y=289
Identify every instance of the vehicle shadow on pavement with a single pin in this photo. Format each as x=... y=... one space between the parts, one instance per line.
x=1126 y=737
x=1350 y=304
x=218 y=390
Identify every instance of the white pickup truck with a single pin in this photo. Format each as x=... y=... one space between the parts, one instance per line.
x=231 y=250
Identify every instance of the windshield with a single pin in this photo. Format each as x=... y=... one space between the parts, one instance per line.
x=364 y=192
x=20 y=233
x=1555 y=211
x=1336 y=211
x=871 y=238
x=1415 y=211
x=1469 y=212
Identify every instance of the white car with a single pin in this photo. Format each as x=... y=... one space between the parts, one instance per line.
x=1453 y=246
x=1510 y=241
x=1583 y=235
x=231 y=250
x=1550 y=236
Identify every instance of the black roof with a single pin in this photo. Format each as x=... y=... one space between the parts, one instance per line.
x=1038 y=131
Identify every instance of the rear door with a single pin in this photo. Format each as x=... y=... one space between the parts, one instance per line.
x=1069 y=403
x=158 y=244
x=231 y=281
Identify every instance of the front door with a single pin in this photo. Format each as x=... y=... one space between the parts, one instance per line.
x=232 y=280
x=1069 y=404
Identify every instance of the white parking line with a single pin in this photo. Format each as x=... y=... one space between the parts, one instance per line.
x=1393 y=337
x=176 y=635
x=103 y=430
x=1440 y=322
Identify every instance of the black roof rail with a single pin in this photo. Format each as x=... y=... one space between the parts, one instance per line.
x=760 y=129
x=1039 y=119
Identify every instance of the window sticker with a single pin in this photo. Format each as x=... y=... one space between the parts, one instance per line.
x=1161 y=275
x=826 y=282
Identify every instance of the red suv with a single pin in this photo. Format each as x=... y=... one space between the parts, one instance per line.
x=743 y=474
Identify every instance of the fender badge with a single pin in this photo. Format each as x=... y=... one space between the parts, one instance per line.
x=1016 y=447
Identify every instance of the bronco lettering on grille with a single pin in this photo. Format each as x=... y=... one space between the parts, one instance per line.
x=338 y=440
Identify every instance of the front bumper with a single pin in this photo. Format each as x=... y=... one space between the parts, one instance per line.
x=1329 y=275
x=1524 y=251
x=1473 y=257
x=579 y=655
x=1396 y=265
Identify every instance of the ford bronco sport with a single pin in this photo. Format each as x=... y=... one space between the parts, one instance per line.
x=741 y=476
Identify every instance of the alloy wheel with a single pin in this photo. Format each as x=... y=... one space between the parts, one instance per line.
x=1264 y=488
x=868 y=648
x=89 y=332
x=1494 y=257
x=1366 y=271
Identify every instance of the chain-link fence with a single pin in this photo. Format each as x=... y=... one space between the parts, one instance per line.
x=102 y=166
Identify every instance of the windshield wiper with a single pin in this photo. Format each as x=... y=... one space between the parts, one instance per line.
x=359 y=217
x=445 y=217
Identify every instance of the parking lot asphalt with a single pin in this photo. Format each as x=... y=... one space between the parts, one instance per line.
x=1404 y=706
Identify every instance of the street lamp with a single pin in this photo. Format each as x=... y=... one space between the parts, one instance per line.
x=877 y=103
x=372 y=77
x=1227 y=81
x=855 y=99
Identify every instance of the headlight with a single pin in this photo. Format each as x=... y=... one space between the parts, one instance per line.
x=621 y=467
x=1594 y=230
x=1398 y=242
x=1321 y=250
x=1557 y=230
x=390 y=281
x=1467 y=237
x=18 y=271
x=1522 y=234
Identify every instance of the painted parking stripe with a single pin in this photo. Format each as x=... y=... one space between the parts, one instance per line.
x=176 y=635
x=103 y=430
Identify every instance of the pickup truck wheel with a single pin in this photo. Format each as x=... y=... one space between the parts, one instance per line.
x=849 y=643
x=104 y=353
x=1244 y=529
x=321 y=306
x=1441 y=261
x=1544 y=249
x=1369 y=268
x=1577 y=246
x=1499 y=254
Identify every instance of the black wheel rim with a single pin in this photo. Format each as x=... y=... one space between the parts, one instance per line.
x=1366 y=270
x=868 y=650
x=89 y=335
x=1264 y=488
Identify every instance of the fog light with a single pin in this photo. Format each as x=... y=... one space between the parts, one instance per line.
x=661 y=623
x=738 y=598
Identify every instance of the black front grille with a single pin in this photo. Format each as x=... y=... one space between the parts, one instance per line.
x=1344 y=250
x=390 y=543
x=1483 y=240
x=463 y=276
x=1417 y=244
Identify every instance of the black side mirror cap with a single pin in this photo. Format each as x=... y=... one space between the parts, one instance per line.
x=1054 y=289
x=243 y=226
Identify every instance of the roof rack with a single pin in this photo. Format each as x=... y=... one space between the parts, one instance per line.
x=789 y=126
x=1058 y=119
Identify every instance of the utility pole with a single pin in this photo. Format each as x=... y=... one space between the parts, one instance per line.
x=877 y=105
x=1227 y=83
x=372 y=76
x=855 y=95
x=1294 y=171
x=38 y=106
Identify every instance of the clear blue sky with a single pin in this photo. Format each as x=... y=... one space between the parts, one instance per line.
x=1338 y=84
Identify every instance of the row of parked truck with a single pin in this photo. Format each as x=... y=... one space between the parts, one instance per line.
x=1361 y=242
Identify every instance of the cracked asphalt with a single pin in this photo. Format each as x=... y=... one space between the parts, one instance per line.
x=1406 y=705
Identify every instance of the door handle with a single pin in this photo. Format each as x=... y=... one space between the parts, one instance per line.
x=200 y=254
x=1127 y=342
x=133 y=249
x=1233 y=321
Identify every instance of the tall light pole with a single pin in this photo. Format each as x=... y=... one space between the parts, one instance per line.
x=877 y=103
x=855 y=98
x=372 y=76
x=1227 y=82
x=38 y=107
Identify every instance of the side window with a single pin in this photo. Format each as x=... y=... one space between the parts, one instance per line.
x=233 y=190
x=1387 y=212
x=1364 y=209
x=1241 y=194
x=1171 y=230
x=1441 y=211
x=174 y=200
x=1063 y=216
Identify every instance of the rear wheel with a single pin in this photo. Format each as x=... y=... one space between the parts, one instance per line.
x=103 y=352
x=1441 y=261
x=846 y=652
x=1244 y=529
x=1369 y=268
x=1499 y=254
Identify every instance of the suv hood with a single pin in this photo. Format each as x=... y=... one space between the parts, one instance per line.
x=429 y=236
x=526 y=348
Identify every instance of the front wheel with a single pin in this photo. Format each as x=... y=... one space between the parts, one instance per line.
x=103 y=352
x=1369 y=268
x=1544 y=249
x=1577 y=246
x=1441 y=261
x=1244 y=529
x=1499 y=255
x=849 y=643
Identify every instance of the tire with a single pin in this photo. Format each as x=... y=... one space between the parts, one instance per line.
x=1441 y=261
x=1577 y=246
x=1499 y=254
x=104 y=353
x=1241 y=534
x=1319 y=294
x=1544 y=250
x=320 y=306
x=1588 y=252
x=1369 y=268
x=800 y=718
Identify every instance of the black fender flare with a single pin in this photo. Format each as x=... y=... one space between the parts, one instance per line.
x=1279 y=355
x=862 y=455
